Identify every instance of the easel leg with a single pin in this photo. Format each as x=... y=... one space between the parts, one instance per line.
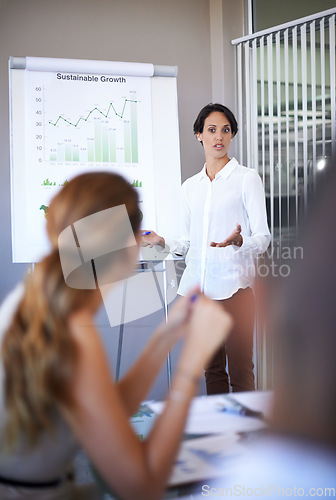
x=121 y=331
x=164 y=302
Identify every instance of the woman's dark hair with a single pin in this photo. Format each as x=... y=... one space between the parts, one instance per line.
x=211 y=108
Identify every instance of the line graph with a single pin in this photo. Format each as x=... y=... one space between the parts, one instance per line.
x=96 y=136
x=68 y=128
x=111 y=106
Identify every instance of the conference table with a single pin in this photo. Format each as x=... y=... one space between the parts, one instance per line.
x=216 y=436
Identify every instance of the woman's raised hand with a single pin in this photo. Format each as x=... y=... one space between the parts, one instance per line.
x=150 y=238
x=201 y=322
x=179 y=315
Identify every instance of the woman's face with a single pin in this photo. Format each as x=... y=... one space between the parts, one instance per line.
x=216 y=135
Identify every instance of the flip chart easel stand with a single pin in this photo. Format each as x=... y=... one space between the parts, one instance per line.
x=151 y=267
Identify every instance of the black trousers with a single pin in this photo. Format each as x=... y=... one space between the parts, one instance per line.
x=238 y=349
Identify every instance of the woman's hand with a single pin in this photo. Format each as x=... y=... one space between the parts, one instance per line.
x=150 y=238
x=179 y=316
x=235 y=238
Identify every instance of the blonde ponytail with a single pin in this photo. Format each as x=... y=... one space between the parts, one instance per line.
x=38 y=353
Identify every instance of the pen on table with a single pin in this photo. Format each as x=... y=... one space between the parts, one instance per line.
x=146 y=233
x=239 y=409
x=246 y=412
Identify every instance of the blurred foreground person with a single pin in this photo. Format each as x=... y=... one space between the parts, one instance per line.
x=56 y=387
x=297 y=457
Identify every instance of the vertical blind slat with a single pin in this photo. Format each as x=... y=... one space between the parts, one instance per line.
x=332 y=81
x=270 y=128
x=296 y=133
x=287 y=121
x=278 y=80
x=262 y=103
x=313 y=95
x=247 y=103
x=322 y=49
x=240 y=100
x=303 y=37
x=254 y=108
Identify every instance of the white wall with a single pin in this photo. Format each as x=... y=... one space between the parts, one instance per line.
x=174 y=32
x=170 y=32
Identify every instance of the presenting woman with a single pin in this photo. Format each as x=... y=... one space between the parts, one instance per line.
x=223 y=229
x=56 y=390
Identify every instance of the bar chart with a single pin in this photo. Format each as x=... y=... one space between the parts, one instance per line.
x=76 y=127
x=103 y=135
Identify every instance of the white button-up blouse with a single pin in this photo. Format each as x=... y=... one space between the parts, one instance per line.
x=210 y=211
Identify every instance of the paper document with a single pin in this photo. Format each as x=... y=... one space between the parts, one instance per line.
x=206 y=458
x=206 y=415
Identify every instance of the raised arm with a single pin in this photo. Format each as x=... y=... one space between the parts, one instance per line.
x=135 y=469
x=134 y=386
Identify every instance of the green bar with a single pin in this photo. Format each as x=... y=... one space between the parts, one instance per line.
x=75 y=153
x=113 y=146
x=68 y=152
x=83 y=154
x=53 y=156
x=105 y=144
x=98 y=147
x=90 y=148
x=134 y=131
x=127 y=142
x=60 y=154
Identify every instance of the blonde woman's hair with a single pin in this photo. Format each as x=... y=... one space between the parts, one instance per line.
x=38 y=354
